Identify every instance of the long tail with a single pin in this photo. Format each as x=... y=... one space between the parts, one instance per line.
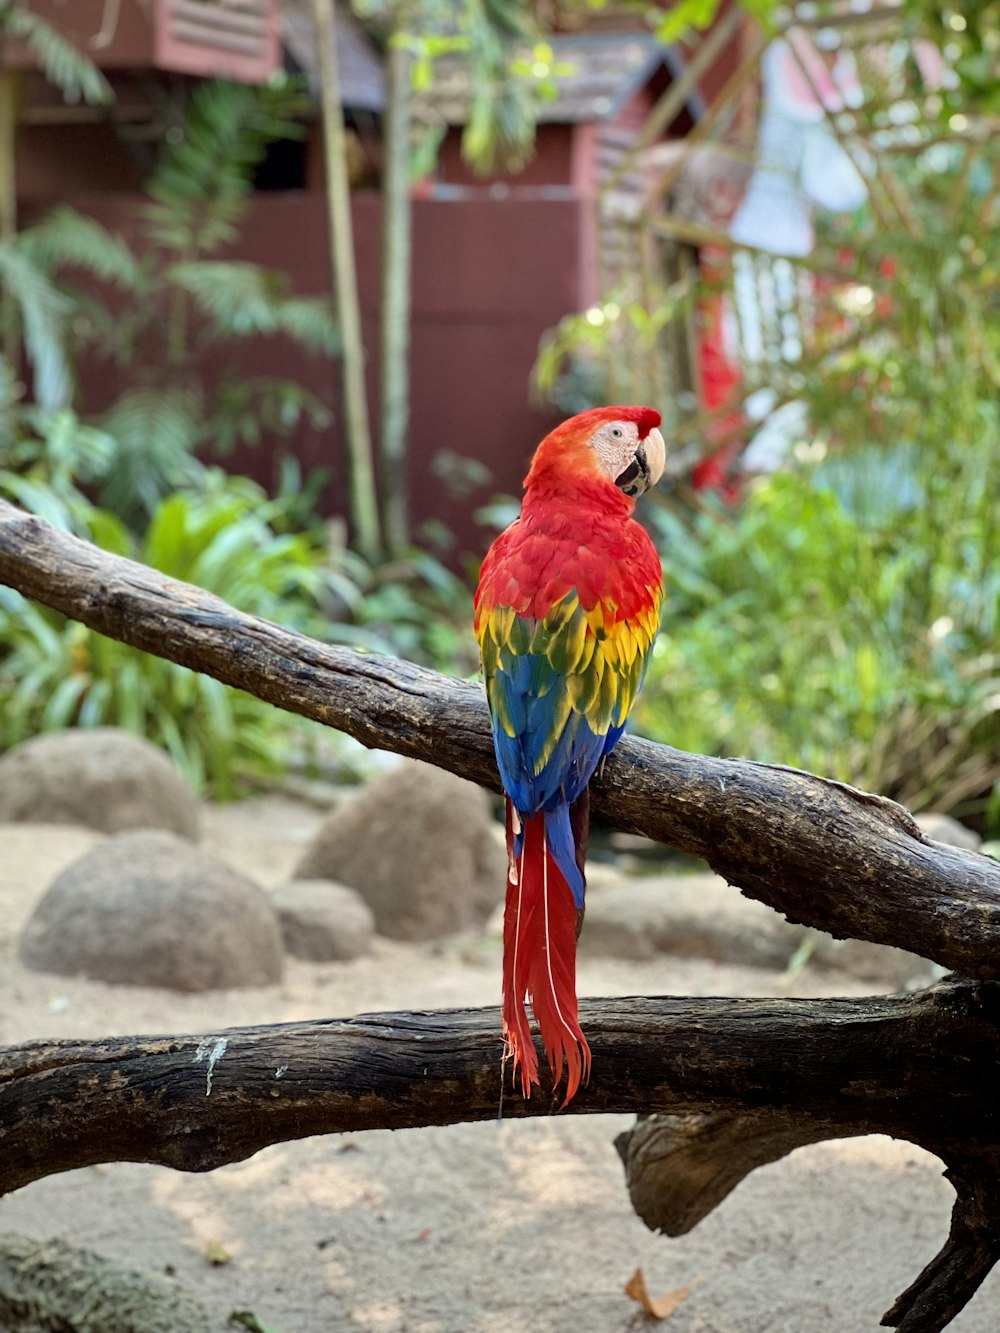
x=541 y=922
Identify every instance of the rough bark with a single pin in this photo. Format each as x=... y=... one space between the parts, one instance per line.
x=763 y=1076
x=728 y=1084
x=821 y=852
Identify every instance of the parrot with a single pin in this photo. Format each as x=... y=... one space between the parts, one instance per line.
x=565 y=614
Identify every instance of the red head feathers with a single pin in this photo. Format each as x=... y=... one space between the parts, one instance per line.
x=620 y=445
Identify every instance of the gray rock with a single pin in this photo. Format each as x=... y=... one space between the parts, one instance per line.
x=149 y=909
x=689 y=916
x=102 y=777
x=47 y=1284
x=323 y=922
x=887 y=968
x=701 y=916
x=418 y=845
x=942 y=828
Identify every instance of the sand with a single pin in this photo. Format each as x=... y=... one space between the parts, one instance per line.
x=492 y=1227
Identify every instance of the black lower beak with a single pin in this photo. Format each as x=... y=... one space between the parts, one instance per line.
x=635 y=479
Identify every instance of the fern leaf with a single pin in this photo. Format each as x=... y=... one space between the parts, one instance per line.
x=43 y=313
x=66 y=237
x=76 y=76
x=245 y=300
x=157 y=431
x=200 y=186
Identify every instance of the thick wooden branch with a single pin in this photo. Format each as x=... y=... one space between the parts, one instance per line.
x=796 y=1070
x=819 y=851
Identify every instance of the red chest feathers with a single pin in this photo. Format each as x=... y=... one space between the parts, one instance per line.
x=552 y=550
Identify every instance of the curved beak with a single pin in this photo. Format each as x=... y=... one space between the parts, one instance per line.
x=646 y=468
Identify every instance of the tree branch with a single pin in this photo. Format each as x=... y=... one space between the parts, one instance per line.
x=800 y=1070
x=821 y=852
x=726 y=1084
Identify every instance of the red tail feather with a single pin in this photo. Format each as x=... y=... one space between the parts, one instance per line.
x=539 y=959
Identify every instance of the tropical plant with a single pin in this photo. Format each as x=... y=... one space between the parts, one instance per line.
x=57 y=673
x=77 y=77
x=173 y=301
x=844 y=620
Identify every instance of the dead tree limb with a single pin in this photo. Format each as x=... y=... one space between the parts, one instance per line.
x=729 y=1084
x=789 y=1071
x=821 y=852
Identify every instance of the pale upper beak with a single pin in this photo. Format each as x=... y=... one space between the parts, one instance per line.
x=646 y=468
x=656 y=456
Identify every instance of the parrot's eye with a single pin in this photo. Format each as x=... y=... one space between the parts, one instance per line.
x=616 y=432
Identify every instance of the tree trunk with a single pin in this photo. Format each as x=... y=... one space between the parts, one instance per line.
x=723 y=1085
x=357 y=436
x=397 y=222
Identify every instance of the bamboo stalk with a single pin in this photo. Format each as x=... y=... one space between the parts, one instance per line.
x=363 y=500
x=397 y=224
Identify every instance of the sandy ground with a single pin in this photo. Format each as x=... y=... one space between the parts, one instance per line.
x=492 y=1227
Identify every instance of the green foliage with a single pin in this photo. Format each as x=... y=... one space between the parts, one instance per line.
x=850 y=639
x=272 y=558
x=413 y=607
x=156 y=431
x=45 y=457
x=971 y=33
x=57 y=673
x=244 y=300
x=505 y=87
x=173 y=301
x=65 y=238
x=200 y=187
x=77 y=78
x=42 y=313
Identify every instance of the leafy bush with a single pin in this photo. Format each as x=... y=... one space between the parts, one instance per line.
x=269 y=557
x=845 y=620
x=57 y=673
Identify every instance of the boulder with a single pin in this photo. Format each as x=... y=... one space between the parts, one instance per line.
x=942 y=828
x=689 y=916
x=47 y=1284
x=102 y=777
x=149 y=909
x=323 y=922
x=701 y=916
x=419 y=845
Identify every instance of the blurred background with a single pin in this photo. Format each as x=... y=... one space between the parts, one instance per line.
x=291 y=289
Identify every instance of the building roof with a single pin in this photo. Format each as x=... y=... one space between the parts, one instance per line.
x=362 y=80
x=595 y=75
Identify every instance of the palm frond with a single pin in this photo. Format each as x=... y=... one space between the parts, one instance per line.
x=157 y=431
x=43 y=313
x=76 y=76
x=245 y=300
x=202 y=180
x=65 y=237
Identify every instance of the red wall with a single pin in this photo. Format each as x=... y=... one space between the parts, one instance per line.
x=489 y=277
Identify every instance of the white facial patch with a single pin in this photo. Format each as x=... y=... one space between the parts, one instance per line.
x=615 y=443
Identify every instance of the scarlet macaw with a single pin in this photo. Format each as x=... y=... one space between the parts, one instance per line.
x=567 y=609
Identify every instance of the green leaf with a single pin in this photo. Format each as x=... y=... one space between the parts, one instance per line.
x=244 y=300
x=156 y=431
x=65 y=237
x=43 y=312
x=76 y=76
x=205 y=173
